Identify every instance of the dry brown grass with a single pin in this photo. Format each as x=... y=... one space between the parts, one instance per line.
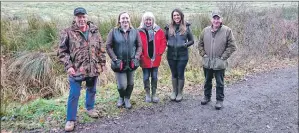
x=30 y=75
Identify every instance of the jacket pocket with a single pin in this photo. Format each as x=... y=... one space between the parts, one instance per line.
x=205 y=62
x=117 y=66
x=134 y=64
x=219 y=64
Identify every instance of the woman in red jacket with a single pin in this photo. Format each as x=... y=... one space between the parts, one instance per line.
x=153 y=46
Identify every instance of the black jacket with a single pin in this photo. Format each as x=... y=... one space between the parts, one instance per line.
x=177 y=45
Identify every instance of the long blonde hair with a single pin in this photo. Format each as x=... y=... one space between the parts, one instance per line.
x=183 y=27
x=145 y=16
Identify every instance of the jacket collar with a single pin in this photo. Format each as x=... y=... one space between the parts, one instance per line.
x=92 y=27
x=217 y=29
x=121 y=29
x=156 y=28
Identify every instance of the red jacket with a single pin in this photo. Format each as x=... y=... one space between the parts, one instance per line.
x=159 y=48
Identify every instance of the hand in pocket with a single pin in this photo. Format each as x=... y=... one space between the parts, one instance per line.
x=134 y=64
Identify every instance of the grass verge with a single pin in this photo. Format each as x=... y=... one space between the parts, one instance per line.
x=51 y=114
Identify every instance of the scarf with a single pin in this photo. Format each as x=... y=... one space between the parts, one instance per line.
x=151 y=34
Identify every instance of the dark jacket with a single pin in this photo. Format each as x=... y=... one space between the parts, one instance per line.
x=218 y=47
x=85 y=56
x=124 y=46
x=177 y=45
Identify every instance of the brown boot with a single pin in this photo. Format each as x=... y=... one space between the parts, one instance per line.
x=69 y=126
x=92 y=113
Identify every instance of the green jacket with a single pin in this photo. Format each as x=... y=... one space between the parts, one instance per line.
x=85 y=56
x=216 y=47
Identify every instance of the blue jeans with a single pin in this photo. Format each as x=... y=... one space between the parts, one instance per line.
x=75 y=88
x=177 y=68
x=150 y=72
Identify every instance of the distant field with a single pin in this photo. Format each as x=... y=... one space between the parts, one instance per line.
x=104 y=10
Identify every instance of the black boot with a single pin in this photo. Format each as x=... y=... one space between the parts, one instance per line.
x=128 y=96
x=154 y=83
x=120 y=101
x=218 y=105
x=179 y=97
x=174 y=89
x=147 y=91
x=205 y=100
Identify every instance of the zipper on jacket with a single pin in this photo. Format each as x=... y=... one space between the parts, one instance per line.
x=126 y=42
x=154 y=51
x=176 y=46
x=212 y=55
x=89 y=56
x=89 y=50
x=212 y=45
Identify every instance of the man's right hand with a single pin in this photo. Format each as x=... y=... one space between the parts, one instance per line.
x=71 y=71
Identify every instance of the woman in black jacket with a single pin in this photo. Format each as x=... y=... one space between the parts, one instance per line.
x=179 y=38
x=124 y=47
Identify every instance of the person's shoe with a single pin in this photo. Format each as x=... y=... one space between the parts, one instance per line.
x=69 y=126
x=205 y=100
x=155 y=99
x=120 y=102
x=174 y=89
x=92 y=113
x=127 y=103
x=173 y=96
x=218 y=105
x=179 y=97
x=148 y=98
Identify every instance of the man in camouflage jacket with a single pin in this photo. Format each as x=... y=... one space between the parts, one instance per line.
x=83 y=54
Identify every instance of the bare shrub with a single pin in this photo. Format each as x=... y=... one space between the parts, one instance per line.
x=260 y=34
x=31 y=74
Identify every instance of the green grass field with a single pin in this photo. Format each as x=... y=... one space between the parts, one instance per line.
x=105 y=10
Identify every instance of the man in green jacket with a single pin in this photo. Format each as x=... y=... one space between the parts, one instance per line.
x=216 y=44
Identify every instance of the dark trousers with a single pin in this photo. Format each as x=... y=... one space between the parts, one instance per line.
x=209 y=75
x=177 y=68
x=150 y=72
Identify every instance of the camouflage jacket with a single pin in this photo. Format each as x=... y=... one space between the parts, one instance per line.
x=85 y=56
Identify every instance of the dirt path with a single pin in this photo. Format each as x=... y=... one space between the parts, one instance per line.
x=264 y=103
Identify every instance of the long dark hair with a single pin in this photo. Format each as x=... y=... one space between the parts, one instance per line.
x=183 y=27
